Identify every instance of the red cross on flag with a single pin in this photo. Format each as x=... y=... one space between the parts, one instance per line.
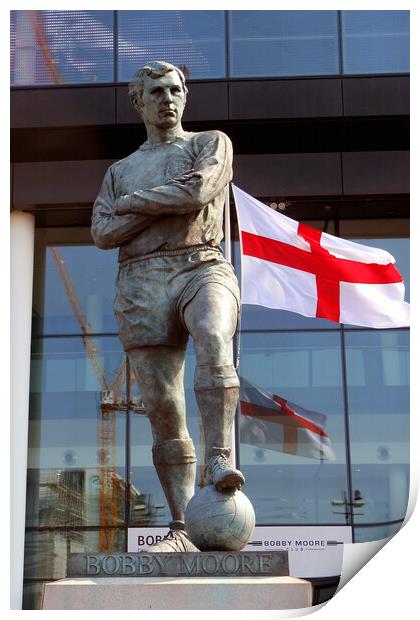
x=291 y=266
x=269 y=421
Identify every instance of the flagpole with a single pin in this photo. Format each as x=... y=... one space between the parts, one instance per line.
x=236 y=338
x=228 y=236
x=238 y=330
x=228 y=256
x=235 y=345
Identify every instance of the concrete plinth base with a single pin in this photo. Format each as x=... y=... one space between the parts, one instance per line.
x=178 y=593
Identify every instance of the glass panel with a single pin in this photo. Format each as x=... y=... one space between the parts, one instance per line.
x=376 y=41
x=74 y=288
x=271 y=43
x=148 y=502
x=76 y=447
x=378 y=532
x=378 y=393
x=46 y=554
x=191 y=40
x=61 y=47
x=260 y=318
x=293 y=457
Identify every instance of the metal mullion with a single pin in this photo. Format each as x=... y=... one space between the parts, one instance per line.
x=347 y=428
x=127 y=446
x=79 y=335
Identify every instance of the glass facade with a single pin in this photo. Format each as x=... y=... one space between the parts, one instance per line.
x=90 y=471
x=284 y=484
x=376 y=41
x=193 y=40
x=281 y=43
x=378 y=378
x=62 y=47
x=81 y=47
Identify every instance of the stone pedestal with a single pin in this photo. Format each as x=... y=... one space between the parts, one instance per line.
x=178 y=593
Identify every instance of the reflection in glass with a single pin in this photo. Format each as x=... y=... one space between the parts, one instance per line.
x=74 y=289
x=76 y=451
x=191 y=40
x=272 y=422
x=378 y=395
x=260 y=318
x=275 y=43
x=303 y=368
x=47 y=552
x=148 y=508
x=378 y=532
x=61 y=47
x=376 y=41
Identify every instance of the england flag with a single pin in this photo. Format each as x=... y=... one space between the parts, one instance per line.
x=291 y=266
x=271 y=422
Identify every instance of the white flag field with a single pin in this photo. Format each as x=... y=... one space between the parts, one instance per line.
x=290 y=266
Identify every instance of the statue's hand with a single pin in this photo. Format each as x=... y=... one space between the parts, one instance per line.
x=122 y=205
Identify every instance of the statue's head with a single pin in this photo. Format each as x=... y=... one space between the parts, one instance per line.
x=154 y=76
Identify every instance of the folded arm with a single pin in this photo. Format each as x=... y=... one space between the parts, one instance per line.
x=109 y=229
x=191 y=191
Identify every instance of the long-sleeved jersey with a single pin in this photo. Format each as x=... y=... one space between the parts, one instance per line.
x=175 y=193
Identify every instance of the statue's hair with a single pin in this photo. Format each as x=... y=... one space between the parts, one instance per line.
x=154 y=70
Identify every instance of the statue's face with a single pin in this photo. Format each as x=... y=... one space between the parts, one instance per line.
x=163 y=100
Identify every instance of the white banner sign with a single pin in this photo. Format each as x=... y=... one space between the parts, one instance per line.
x=140 y=537
x=314 y=551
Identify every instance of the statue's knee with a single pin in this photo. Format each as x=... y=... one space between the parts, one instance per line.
x=208 y=377
x=213 y=346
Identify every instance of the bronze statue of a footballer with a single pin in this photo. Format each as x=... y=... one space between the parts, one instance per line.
x=163 y=207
